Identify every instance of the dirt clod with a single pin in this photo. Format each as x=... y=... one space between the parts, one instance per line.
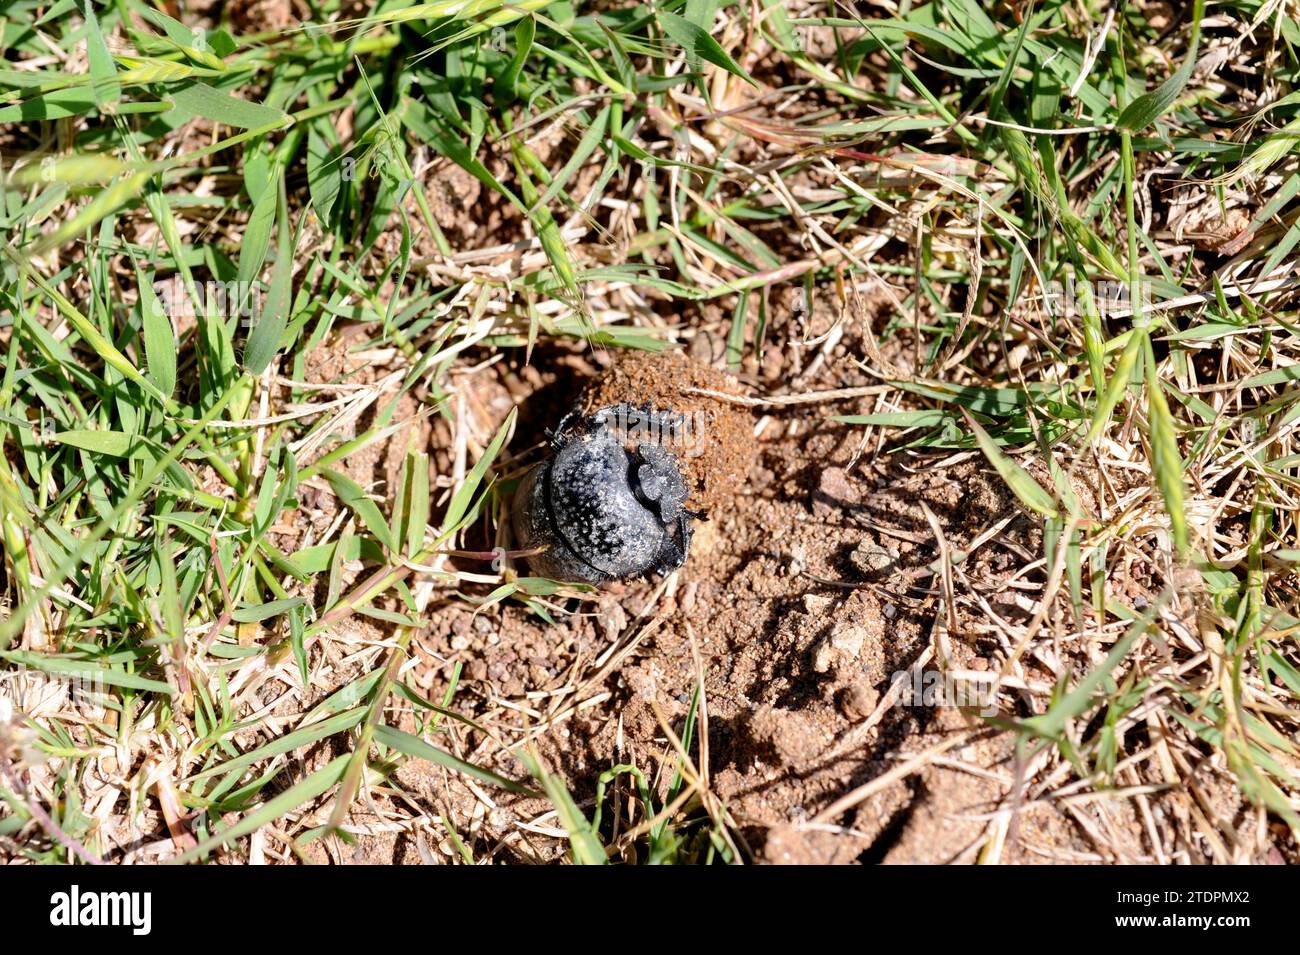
x=714 y=451
x=873 y=559
x=858 y=700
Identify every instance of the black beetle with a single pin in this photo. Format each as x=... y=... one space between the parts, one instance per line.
x=601 y=510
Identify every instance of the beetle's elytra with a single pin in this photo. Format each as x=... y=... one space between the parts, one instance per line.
x=609 y=503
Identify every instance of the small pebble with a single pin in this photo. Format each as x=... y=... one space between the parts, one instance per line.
x=848 y=637
x=872 y=559
x=858 y=700
x=834 y=492
x=687 y=602
x=816 y=604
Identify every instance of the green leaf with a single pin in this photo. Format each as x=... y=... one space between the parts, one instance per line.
x=1118 y=384
x=1166 y=462
x=272 y=608
x=1021 y=482
x=59 y=104
x=257 y=234
x=81 y=169
x=460 y=501
x=429 y=129
x=103 y=71
x=583 y=840
x=84 y=671
x=354 y=496
x=324 y=173
x=117 y=444
x=417 y=517
x=414 y=746
x=287 y=743
x=314 y=785
x=159 y=338
x=592 y=138
x=85 y=328
x=264 y=339
x=1267 y=379
x=1149 y=107
x=199 y=99
x=699 y=45
x=898 y=419
x=1078 y=701
x=525 y=29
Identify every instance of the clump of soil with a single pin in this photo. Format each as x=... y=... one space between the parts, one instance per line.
x=715 y=451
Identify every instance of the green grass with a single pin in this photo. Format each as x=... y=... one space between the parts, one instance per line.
x=966 y=157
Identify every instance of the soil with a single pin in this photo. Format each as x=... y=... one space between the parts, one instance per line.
x=806 y=594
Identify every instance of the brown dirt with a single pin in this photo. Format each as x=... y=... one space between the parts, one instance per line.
x=803 y=596
x=255 y=16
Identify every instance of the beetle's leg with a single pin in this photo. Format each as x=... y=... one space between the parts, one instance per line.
x=559 y=435
x=685 y=530
x=670 y=556
x=672 y=552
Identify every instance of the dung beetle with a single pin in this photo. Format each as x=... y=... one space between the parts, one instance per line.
x=610 y=501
